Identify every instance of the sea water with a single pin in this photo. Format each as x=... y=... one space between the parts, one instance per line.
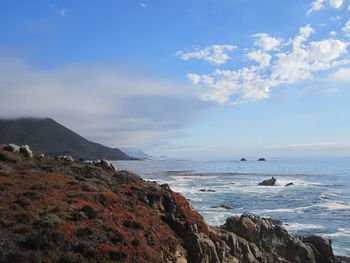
x=317 y=203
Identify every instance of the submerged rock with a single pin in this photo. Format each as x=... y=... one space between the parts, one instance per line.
x=207 y=190
x=269 y=182
x=222 y=206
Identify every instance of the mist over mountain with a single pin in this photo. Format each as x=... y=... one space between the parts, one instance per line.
x=51 y=138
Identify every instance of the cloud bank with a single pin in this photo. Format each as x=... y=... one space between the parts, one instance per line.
x=107 y=103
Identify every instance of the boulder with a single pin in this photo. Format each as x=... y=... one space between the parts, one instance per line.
x=269 y=182
x=26 y=151
x=106 y=165
x=261 y=160
x=66 y=158
x=255 y=239
x=243 y=160
x=322 y=248
x=289 y=184
x=11 y=147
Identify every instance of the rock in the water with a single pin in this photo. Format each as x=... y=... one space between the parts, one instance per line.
x=243 y=160
x=269 y=182
x=261 y=160
x=289 y=184
x=222 y=206
x=26 y=151
x=207 y=190
x=11 y=148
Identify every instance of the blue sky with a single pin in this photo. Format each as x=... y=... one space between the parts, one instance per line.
x=194 y=78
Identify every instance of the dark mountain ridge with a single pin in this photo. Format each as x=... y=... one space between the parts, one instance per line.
x=51 y=138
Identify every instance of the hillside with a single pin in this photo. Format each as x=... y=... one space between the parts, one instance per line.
x=51 y=138
x=60 y=211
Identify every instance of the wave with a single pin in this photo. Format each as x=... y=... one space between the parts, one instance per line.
x=342 y=232
x=293 y=227
x=331 y=206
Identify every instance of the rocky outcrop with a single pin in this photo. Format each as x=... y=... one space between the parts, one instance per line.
x=54 y=210
x=269 y=182
x=254 y=239
x=24 y=149
x=105 y=165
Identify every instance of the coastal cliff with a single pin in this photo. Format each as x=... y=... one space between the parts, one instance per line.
x=59 y=210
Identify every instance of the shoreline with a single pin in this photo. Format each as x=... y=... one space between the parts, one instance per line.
x=105 y=214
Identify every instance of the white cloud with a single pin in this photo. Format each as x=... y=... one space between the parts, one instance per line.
x=300 y=59
x=320 y=4
x=336 y=3
x=316 y=6
x=327 y=50
x=143 y=5
x=215 y=54
x=333 y=33
x=262 y=58
x=346 y=28
x=194 y=78
x=342 y=75
x=59 y=10
x=266 y=42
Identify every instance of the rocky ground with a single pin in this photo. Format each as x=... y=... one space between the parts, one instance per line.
x=66 y=211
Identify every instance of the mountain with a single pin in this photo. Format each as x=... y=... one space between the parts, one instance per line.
x=136 y=153
x=51 y=138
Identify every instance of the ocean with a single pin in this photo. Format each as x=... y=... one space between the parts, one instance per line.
x=318 y=202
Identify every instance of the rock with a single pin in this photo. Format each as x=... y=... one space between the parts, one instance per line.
x=243 y=160
x=222 y=206
x=106 y=165
x=261 y=160
x=322 y=248
x=268 y=182
x=289 y=184
x=66 y=158
x=254 y=239
x=207 y=190
x=26 y=151
x=11 y=148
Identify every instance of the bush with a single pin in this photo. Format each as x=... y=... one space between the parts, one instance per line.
x=84 y=232
x=89 y=211
x=132 y=224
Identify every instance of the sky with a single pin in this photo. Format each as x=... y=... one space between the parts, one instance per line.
x=210 y=79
